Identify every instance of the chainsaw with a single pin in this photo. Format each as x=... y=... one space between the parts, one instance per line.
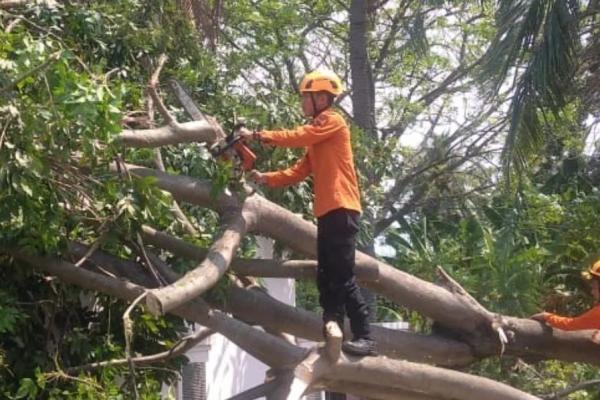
x=234 y=149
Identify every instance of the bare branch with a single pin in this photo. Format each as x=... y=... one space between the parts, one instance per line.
x=564 y=393
x=273 y=351
x=187 y=132
x=154 y=93
x=11 y=25
x=204 y=276
x=268 y=268
x=259 y=391
x=418 y=378
x=184 y=188
x=179 y=348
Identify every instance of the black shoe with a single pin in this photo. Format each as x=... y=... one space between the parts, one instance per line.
x=360 y=347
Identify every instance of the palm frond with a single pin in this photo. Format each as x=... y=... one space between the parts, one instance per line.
x=541 y=39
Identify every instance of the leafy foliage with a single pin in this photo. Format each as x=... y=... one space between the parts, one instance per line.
x=543 y=39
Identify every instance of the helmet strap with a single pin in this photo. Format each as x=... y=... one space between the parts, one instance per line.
x=316 y=112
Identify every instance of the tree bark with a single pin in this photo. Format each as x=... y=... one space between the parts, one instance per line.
x=197 y=281
x=187 y=132
x=434 y=382
x=363 y=88
x=269 y=349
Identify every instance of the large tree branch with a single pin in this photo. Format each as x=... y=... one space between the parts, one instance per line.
x=250 y=305
x=264 y=268
x=197 y=281
x=445 y=384
x=187 y=132
x=269 y=349
x=428 y=299
x=418 y=378
x=184 y=188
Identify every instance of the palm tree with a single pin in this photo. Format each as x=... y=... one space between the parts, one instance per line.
x=551 y=49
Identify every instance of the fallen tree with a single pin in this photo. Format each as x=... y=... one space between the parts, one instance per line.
x=410 y=363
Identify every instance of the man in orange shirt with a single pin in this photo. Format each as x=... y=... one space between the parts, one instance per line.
x=588 y=320
x=328 y=158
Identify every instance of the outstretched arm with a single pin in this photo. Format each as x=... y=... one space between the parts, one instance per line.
x=587 y=320
x=303 y=136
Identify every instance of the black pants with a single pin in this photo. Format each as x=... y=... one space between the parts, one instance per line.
x=338 y=291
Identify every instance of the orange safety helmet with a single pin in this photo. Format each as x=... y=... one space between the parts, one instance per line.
x=594 y=271
x=321 y=81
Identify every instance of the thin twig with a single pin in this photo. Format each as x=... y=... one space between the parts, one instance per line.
x=157 y=276
x=61 y=375
x=563 y=393
x=94 y=246
x=128 y=331
x=154 y=93
x=179 y=348
x=109 y=74
x=12 y=24
x=53 y=58
x=4 y=129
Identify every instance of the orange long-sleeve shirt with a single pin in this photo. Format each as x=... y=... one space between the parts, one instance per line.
x=588 y=320
x=328 y=157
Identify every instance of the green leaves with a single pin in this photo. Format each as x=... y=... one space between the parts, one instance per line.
x=543 y=37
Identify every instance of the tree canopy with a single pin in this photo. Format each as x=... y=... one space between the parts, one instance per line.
x=474 y=126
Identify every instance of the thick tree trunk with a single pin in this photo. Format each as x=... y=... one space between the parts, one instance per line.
x=363 y=88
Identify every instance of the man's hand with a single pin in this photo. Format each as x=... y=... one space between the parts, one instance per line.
x=257 y=177
x=541 y=317
x=245 y=133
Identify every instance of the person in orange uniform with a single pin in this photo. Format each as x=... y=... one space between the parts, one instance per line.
x=328 y=158
x=588 y=320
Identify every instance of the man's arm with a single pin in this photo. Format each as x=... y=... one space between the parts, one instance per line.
x=289 y=176
x=587 y=320
x=306 y=135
